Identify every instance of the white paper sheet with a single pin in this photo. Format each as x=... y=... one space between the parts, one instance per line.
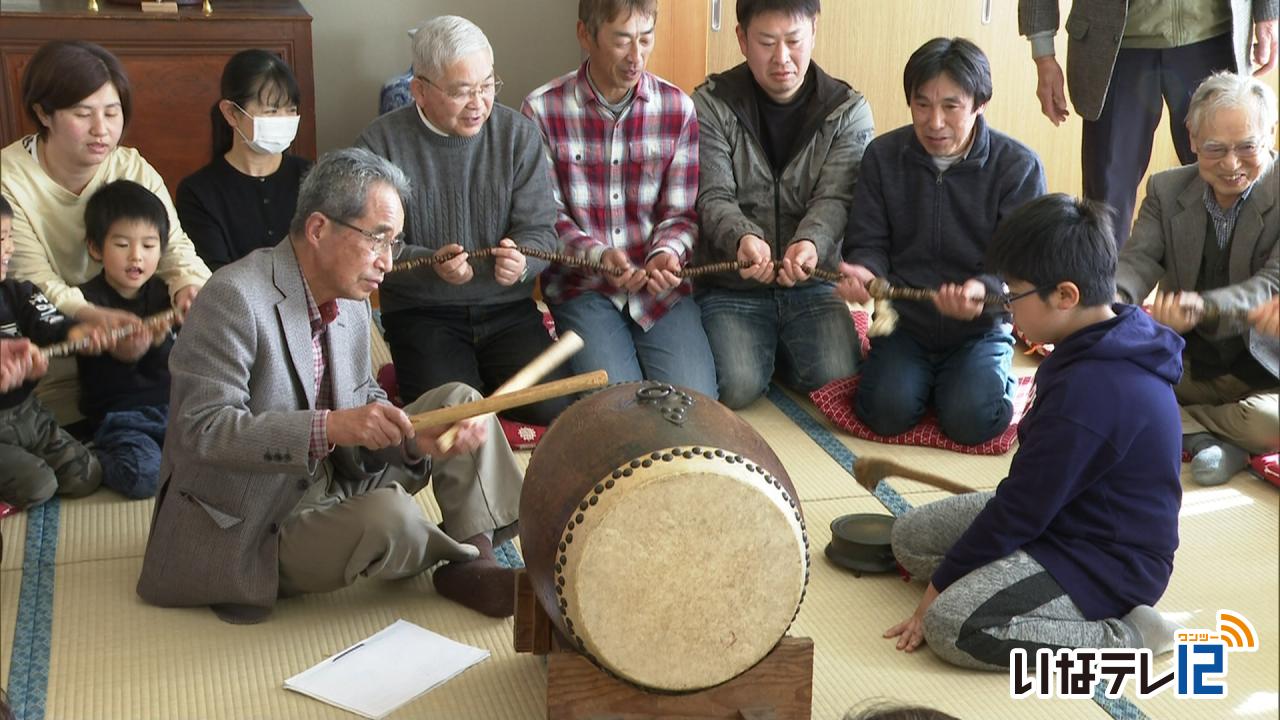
x=395 y=665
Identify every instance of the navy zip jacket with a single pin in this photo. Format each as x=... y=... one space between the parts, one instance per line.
x=1093 y=492
x=921 y=228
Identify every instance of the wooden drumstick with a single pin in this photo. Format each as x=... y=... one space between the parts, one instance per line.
x=553 y=357
x=869 y=471
x=537 y=393
x=71 y=347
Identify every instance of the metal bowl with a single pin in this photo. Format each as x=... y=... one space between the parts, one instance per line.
x=861 y=542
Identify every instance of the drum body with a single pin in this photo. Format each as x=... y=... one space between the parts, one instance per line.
x=663 y=537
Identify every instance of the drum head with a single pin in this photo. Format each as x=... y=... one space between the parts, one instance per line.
x=684 y=572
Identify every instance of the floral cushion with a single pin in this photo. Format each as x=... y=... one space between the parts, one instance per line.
x=835 y=400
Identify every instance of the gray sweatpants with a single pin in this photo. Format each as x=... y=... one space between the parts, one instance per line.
x=1010 y=603
x=38 y=458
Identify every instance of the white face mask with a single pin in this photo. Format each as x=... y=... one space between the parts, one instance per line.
x=271 y=135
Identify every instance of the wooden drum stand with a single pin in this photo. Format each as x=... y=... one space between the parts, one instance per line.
x=779 y=687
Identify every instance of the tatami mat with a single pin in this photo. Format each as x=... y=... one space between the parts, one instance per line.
x=846 y=616
x=10 y=583
x=111 y=656
x=14 y=530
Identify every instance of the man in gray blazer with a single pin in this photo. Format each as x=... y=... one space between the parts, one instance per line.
x=1210 y=234
x=1124 y=61
x=285 y=470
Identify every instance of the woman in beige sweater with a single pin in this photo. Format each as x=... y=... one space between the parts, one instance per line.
x=79 y=97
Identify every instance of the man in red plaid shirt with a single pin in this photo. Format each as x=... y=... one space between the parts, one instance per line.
x=624 y=149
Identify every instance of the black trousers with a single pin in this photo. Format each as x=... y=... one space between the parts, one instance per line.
x=480 y=345
x=1116 y=148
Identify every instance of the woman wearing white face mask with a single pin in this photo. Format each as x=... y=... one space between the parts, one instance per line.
x=244 y=198
x=78 y=96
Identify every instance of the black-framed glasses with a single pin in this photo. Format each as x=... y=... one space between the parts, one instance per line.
x=487 y=90
x=381 y=242
x=1008 y=299
x=1216 y=151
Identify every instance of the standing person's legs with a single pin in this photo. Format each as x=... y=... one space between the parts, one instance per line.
x=508 y=337
x=128 y=445
x=1182 y=71
x=606 y=332
x=974 y=391
x=1115 y=149
x=431 y=347
x=818 y=339
x=897 y=380
x=675 y=350
x=742 y=331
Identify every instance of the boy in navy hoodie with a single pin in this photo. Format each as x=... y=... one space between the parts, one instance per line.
x=1073 y=547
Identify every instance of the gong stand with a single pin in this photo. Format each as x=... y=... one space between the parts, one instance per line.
x=779 y=687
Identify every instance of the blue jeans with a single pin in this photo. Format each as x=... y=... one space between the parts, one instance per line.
x=674 y=350
x=808 y=328
x=969 y=384
x=128 y=445
x=481 y=346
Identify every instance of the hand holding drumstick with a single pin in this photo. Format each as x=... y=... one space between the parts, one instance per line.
x=551 y=358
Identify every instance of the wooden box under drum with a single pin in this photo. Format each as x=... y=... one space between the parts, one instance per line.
x=663 y=538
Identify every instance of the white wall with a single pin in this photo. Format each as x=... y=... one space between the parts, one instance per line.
x=359 y=44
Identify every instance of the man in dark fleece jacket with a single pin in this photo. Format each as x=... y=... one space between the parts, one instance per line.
x=927 y=202
x=1077 y=543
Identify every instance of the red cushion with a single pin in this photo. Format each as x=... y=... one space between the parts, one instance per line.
x=387 y=381
x=521 y=436
x=1267 y=466
x=861 y=323
x=835 y=400
x=1033 y=348
x=6 y=509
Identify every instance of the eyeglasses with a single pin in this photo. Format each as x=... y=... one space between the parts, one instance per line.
x=1217 y=151
x=484 y=91
x=379 y=243
x=1008 y=299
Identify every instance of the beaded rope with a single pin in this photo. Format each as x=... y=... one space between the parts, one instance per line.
x=71 y=347
x=571 y=261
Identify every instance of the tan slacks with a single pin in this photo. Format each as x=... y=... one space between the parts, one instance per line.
x=1228 y=408
x=383 y=533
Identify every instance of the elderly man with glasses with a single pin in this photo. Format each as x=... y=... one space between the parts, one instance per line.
x=480 y=181
x=285 y=470
x=1209 y=234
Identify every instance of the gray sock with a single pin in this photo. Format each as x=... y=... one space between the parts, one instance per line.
x=1216 y=463
x=1193 y=443
x=1154 y=632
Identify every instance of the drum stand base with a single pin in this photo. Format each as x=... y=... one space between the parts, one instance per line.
x=779 y=687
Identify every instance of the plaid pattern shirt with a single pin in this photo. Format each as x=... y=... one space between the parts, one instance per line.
x=320 y=317
x=1224 y=221
x=627 y=181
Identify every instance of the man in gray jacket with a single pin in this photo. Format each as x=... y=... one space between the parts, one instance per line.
x=780 y=144
x=285 y=470
x=1210 y=233
x=1125 y=60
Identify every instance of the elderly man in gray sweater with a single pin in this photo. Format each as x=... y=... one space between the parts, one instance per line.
x=480 y=180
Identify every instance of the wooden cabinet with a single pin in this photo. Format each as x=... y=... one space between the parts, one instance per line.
x=174 y=62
